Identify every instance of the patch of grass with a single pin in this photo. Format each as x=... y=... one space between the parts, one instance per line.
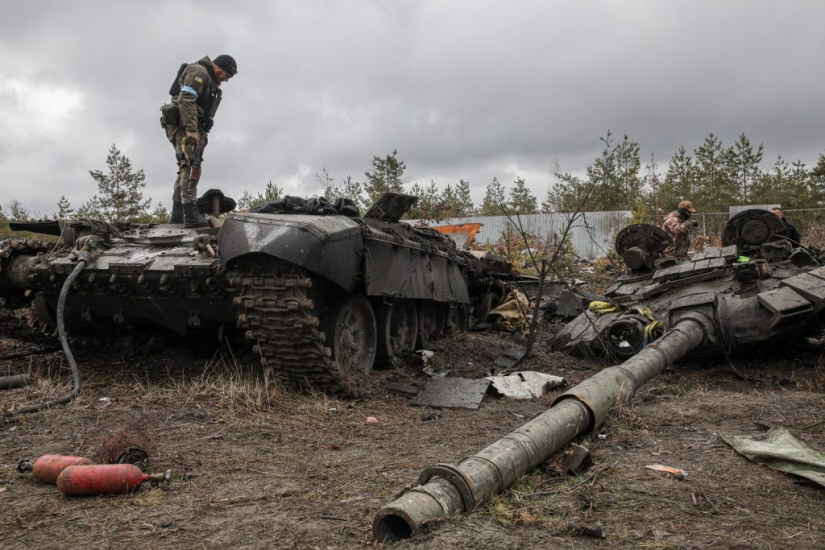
x=228 y=385
x=152 y=497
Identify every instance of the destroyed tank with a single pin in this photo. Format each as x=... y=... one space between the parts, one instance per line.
x=758 y=289
x=323 y=297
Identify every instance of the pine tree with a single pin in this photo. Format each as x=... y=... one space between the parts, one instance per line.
x=271 y=193
x=120 y=197
x=628 y=165
x=64 y=209
x=800 y=190
x=386 y=175
x=653 y=193
x=160 y=214
x=522 y=200
x=464 y=202
x=565 y=193
x=427 y=207
x=716 y=189
x=773 y=184
x=90 y=210
x=495 y=201
x=680 y=181
x=745 y=166
x=603 y=176
x=817 y=181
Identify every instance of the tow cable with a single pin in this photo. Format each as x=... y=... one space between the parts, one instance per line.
x=83 y=259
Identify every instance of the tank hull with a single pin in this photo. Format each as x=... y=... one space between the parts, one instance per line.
x=322 y=297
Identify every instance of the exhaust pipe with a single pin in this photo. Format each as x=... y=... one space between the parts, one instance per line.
x=445 y=489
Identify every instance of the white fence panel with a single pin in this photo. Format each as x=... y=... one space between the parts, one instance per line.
x=592 y=234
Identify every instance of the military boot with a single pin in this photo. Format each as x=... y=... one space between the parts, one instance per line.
x=192 y=217
x=177 y=212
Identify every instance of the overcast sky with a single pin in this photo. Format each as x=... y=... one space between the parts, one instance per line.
x=471 y=89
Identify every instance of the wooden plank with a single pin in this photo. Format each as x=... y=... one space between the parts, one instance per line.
x=713 y=252
x=700 y=256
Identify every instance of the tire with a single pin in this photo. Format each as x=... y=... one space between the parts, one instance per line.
x=458 y=319
x=432 y=318
x=397 y=331
x=351 y=334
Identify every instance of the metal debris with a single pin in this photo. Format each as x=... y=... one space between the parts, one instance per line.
x=453 y=393
x=507 y=360
x=524 y=385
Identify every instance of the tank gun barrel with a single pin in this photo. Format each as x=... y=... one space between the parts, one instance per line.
x=445 y=489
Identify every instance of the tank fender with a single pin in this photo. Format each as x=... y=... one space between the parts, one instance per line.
x=412 y=272
x=330 y=246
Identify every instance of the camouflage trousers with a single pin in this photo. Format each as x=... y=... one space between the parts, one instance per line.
x=184 y=190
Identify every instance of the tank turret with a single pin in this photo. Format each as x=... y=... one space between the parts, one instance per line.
x=756 y=290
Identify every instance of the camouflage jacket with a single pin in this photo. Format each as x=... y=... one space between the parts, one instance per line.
x=199 y=96
x=680 y=231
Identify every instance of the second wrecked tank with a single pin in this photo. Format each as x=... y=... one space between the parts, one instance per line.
x=756 y=290
x=323 y=297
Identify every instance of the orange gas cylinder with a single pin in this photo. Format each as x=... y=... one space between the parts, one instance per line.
x=100 y=479
x=48 y=467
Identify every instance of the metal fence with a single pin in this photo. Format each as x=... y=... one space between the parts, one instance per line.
x=592 y=235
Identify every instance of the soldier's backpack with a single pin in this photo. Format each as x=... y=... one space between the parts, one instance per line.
x=174 y=89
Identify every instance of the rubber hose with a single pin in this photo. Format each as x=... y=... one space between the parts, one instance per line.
x=64 y=342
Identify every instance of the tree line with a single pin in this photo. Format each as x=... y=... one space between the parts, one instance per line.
x=712 y=175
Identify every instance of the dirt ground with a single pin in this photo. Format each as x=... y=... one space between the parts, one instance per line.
x=259 y=466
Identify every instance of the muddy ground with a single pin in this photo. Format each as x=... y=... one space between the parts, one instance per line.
x=259 y=466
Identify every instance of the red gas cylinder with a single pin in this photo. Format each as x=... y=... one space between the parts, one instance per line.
x=48 y=467
x=100 y=479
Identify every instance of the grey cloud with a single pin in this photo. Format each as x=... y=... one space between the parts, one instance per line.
x=462 y=89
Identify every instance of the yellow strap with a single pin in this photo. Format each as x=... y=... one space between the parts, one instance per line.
x=649 y=329
x=603 y=307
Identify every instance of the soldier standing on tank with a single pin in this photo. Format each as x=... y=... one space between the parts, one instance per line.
x=678 y=224
x=187 y=120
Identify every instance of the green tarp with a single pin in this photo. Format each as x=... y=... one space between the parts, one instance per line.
x=782 y=451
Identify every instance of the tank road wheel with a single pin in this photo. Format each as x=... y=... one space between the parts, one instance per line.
x=487 y=302
x=397 y=330
x=432 y=318
x=351 y=334
x=458 y=318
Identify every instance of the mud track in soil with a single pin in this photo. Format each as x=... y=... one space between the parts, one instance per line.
x=271 y=468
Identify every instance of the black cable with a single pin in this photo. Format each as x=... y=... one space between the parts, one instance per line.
x=64 y=342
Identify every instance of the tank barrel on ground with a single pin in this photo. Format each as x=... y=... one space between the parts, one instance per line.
x=445 y=489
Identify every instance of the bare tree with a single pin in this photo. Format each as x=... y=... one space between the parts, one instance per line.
x=547 y=258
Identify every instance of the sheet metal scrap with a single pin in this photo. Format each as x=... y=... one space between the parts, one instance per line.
x=524 y=385
x=453 y=393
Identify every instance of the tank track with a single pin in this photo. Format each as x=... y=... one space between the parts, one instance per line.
x=277 y=314
x=20 y=323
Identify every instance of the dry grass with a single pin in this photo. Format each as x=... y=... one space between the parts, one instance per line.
x=224 y=382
